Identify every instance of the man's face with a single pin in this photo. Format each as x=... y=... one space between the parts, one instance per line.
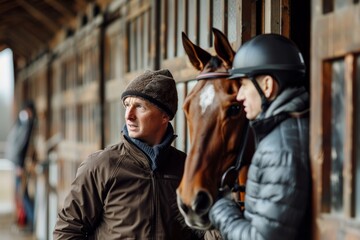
x=144 y=120
x=250 y=98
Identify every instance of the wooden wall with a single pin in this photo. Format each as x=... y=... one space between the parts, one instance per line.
x=335 y=118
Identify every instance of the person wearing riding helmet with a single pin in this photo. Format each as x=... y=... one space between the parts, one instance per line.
x=278 y=189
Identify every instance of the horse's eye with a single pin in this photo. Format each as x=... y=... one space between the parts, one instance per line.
x=233 y=110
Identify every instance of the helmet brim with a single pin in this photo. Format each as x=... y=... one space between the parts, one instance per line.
x=237 y=75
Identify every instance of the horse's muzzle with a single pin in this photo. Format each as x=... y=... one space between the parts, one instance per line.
x=196 y=215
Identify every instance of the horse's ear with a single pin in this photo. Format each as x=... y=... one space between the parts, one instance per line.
x=223 y=48
x=197 y=56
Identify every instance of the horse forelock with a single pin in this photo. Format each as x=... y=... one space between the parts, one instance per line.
x=215 y=64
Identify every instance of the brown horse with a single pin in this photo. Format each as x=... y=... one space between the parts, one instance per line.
x=217 y=126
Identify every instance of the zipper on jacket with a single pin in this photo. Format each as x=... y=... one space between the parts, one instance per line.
x=154 y=223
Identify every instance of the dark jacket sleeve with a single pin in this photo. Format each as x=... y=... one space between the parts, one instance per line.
x=277 y=191
x=83 y=205
x=227 y=217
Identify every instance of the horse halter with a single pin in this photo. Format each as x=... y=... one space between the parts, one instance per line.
x=212 y=75
x=228 y=179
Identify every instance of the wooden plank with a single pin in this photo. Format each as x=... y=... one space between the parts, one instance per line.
x=37 y=14
x=19 y=44
x=285 y=18
x=272 y=16
x=181 y=26
x=350 y=66
x=139 y=39
x=146 y=22
x=135 y=9
x=231 y=23
x=170 y=29
x=245 y=26
x=325 y=184
x=204 y=24
x=219 y=18
x=154 y=44
x=59 y=6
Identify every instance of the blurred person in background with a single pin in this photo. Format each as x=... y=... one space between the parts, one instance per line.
x=20 y=151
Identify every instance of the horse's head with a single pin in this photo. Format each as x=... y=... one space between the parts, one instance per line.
x=215 y=120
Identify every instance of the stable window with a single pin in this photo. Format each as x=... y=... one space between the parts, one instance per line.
x=341 y=137
x=337 y=135
x=333 y=137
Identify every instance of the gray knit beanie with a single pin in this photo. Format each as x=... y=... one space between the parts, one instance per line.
x=158 y=87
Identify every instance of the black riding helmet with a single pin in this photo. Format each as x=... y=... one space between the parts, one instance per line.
x=269 y=54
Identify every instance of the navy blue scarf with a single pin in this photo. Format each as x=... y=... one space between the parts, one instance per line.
x=153 y=152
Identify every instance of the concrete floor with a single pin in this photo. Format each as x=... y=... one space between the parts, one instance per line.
x=8 y=229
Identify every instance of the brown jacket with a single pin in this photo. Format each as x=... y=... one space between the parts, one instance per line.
x=116 y=195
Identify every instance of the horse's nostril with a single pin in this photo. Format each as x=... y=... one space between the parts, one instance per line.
x=182 y=206
x=202 y=203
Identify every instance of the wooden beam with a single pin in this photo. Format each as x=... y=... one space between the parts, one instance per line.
x=32 y=37
x=40 y=16
x=3 y=46
x=21 y=44
x=26 y=23
x=80 y=5
x=20 y=40
x=60 y=7
x=16 y=46
x=41 y=33
x=7 y=7
x=273 y=16
x=244 y=19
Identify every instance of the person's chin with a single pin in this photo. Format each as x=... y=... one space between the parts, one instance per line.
x=133 y=134
x=249 y=116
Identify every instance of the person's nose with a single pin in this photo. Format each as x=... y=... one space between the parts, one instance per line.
x=129 y=113
x=240 y=95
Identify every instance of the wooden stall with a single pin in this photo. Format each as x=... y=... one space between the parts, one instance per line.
x=335 y=126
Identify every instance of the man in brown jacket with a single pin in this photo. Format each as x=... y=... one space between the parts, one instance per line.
x=127 y=191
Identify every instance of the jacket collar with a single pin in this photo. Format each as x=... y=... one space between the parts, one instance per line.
x=289 y=100
x=264 y=126
x=154 y=153
x=292 y=102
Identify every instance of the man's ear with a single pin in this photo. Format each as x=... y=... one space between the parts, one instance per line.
x=271 y=87
x=165 y=118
